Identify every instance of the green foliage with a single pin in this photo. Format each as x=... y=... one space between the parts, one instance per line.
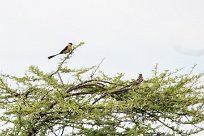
x=86 y=101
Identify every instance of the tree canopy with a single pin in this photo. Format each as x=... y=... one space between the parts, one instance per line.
x=86 y=101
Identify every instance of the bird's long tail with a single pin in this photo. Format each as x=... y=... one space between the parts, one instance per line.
x=52 y=56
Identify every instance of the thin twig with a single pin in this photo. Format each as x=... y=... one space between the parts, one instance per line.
x=98 y=99
x=93 y=73
x=60 y=78
x=62 y=130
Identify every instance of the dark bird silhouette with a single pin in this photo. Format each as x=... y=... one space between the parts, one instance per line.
x=67 y=49
x=139 y=80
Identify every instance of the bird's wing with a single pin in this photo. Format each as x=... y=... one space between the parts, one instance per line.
x=63 y=50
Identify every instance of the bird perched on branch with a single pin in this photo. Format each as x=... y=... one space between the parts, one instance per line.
x=67 y=49
x=139 y=80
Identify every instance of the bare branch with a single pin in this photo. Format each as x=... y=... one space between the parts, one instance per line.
x=60 y=78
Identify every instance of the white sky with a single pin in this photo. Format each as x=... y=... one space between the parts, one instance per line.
x=132 y=35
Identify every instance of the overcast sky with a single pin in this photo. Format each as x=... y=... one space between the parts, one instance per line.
x=132 y=35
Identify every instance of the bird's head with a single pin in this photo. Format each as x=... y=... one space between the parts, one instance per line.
x=70 y=43
x=140 y=75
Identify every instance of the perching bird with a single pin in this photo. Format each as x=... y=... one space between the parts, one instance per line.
x=139 y=80
x=67 y=49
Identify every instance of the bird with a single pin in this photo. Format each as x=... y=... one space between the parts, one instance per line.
x=67 y=49
x=139 y=80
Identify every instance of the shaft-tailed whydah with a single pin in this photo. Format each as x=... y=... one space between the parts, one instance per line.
x=67 y=49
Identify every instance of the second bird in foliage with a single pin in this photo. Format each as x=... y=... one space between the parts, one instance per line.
x=139 y=80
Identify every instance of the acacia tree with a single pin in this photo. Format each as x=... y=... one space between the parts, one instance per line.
x=86 y=101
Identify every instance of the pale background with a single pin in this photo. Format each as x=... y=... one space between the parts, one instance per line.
x=132 y=35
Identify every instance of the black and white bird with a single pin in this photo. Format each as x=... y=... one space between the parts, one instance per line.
x=67 y=49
